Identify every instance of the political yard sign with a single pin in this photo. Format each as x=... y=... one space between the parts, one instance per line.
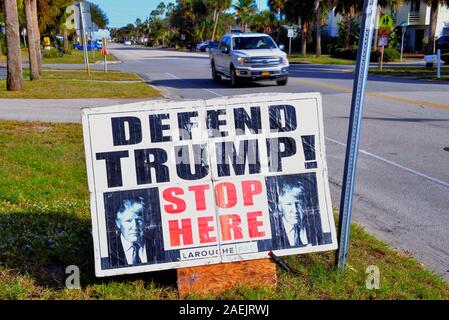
x=181 y=184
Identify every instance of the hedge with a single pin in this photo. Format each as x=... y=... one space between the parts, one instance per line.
x=390 y=54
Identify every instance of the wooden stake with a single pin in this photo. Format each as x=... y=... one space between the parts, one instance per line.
x=217 y=278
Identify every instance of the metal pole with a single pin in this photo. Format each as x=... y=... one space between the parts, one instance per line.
x=439 y=63
x=355 y=121
x=289 y=46
x=402 y=42
x=83 y=35
x=86 y=53
x=382 y=57
x=105 y=50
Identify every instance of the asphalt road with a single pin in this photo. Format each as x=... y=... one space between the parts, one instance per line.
x=402 y=188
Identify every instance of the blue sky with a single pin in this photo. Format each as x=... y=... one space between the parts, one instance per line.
x=122 y=12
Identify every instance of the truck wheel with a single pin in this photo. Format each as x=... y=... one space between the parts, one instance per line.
x=216 y=77
x=282 y=82
x=235 y=81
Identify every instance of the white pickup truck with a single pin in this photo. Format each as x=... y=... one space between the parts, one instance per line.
x=249 y=57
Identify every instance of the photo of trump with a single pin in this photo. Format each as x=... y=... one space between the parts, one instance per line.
x=134 y=229
x=294 y=212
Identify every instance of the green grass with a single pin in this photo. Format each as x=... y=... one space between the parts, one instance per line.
x=82 y=75
x=72 y=84
x=412 y=72
x=45 y=226
x=75 y=57
x=324 y=59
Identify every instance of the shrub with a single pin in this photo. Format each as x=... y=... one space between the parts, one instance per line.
x=52 y=53
x=390 y=55
x=342 y=53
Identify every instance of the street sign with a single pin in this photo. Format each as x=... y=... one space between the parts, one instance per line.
x=183 y=36
x=201 y=190
x=291 y=33
x=386 y=22
x=404 y=25
x=383 y=41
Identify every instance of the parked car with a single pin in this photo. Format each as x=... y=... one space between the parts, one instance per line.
x=249 y=57
x=442 y=43
x=99 y=44
x=90 y=46
x=207 y=45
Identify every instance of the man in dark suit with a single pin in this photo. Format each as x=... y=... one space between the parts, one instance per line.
x=297 y=224
x=134 y=244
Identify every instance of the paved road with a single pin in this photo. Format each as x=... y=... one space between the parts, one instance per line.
x=402 y=191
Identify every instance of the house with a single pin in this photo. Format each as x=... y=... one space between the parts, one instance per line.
x=417 y=15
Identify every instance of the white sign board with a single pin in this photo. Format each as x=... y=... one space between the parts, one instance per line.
x=383 y=41
x=86 y=17
x=178 y=184
x=291 y=33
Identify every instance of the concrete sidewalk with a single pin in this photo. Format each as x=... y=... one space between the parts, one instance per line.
x=52 y=110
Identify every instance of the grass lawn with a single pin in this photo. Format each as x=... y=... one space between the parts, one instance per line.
x=45 y=224
x=75 y=57
x=324 y=59
x=59 y=84
x=413 y=71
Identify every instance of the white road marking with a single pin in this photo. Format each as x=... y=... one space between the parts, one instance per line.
x=178 y=78
x=412 y=171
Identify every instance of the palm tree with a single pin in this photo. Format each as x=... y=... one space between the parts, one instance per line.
x=264 y=22
x=434 y=8
x=243 y=10
x=348 y=9
x=14 y=80
x=318 y=15
x=304 y=12
x=218 y=6
x=277 y=6
x=31 y=34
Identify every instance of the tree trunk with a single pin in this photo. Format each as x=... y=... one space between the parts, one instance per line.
x=66 y=40
x=318 y=27
x=433 y=26
x=303 y=39
x=31 y=35
x=14 y=80
x=215 y=24
x=37 y=35
x=216 y=15
x=279 y=26
x=347 y=20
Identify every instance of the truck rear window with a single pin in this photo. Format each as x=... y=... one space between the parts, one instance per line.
x=249 y=43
